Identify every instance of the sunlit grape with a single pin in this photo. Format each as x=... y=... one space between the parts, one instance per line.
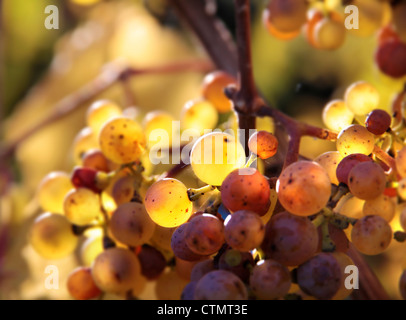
x=90 y=249
x=381 y=206
x=81 y=285
x=329 y=34
x=361 y=98
x=287 y=15
x=401 y=189
x=378 y=121
x=289 y=35
x=100 y=112
x=329 y=161
x=201 y=268
x=162 y=237
x=371 y=15
x=95 y=159
x=336 y=115
x=213 y=87
x=85 y=140
x=264 y=144
x=350 y=206
x=355 y=139
x=199 y=115
x=158 y=127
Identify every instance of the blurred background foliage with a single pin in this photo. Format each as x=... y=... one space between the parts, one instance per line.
x=40 y=67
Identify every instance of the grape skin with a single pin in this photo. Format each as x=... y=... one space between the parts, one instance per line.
x=336 y=116
x=347 y=163
x=213 y=87
x=237 y=262
x=287 y=15
x=361 y=98
x=100 y=112
x=355 y=139
x=381 y=206
x=329 y=161
x=152 y=262
x=200 y=269
x=264 y=144
x=179 y=246
x=199 y=115
x=80 y=284
x=378 y=121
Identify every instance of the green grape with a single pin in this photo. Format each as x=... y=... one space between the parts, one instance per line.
x=116 y=270
x=84 y=141
x=52 y=190
x=215 y=155
x=82 y=206
x=303 y=188
x=355 y=139
x=199 y=115
x=361 y=98
x=81 y=285
x=381 y=206
x=158 y=127
x=52 y=237
x=167 y=203
x=329 y=161
x=336 y=115
x=131 y=224
x=122 y=140
x=100 y=112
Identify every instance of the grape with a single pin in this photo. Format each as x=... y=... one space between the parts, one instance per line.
x=371 y=235
x=158 y=127
x=320 y=276
x=152 y=262
x=81 y=285
x=52 y=237
x=402 y=285
x=122 y=140
x=270 y=280
x=367 y=180
x=188 y=292
x=290 y=239
x=287 y=15
x=244 y=230
x=391 y=58
x=264 y=144
x=179 y=246
x=237 y=262
x=116 y=270
x=82 y=206
x=220 y=285
x=52 y=190
x=213 y=87
x=90 y=249
x=199 y=115
x=162 y=237
x=84 y=141
x=371 y=16
x=329 y=161
x=361 y=98
x=95 y=159
x=100 y=112
x=387 y=33
x=401 y=162
x=399 y=13
x=402 y=189
x=169 y=286
x=304 y=188
x=275 y=32
x=200 y=269
x=184 y=267
x=131 y=224
x=336 y=116
x=167 y=203
x=344 y=261
x=215 y=155
x=355 y=139
x=329 y=33
x=88 y=178
x=204 y=234
x=350 y=206
x=246 y=189
x=381 y=206
x=123 y=189
x=313 y=17
x=139 y=286
x=347 y=163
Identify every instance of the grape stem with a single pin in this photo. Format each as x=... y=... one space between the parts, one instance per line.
x=195 y=194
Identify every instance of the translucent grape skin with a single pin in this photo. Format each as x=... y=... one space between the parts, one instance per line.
x=380 y=206
x=313 y=17
x=355 y=139
x=367 y=180
x=402 y=285
x=303 y=188
x=116 y=270
x=270 y=280
x=336 y=116
x=361 y=98
x=188 y=292
x=237 y=262
x=244 y=230
x=320 y=276
x=378 y=121
x=204 y=234
x=371 y=235
x=179 y=246
x=246 y=189
x=199 y=115
x=100 y=112
x=290 y=239
x=329 y=33
x=87 y=178
x=264 y=144
x=123 y=190
x=329 y=161
x=167 y=203
x=152 y=261
x=131 y=224
x=275 y=32
x=81 y=285
x=220 y=285
x=347 y=163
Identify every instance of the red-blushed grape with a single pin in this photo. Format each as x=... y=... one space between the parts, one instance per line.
x=152 y=261
x=391 y=58
x=401 y=189
x=244 y=230
x=116 y=270
x=123 y=189
x=347 y=163
x=263 y=143
x=237 y=262
x=367 y=180
x=275 y=32
x=122 y=140
x=100 y=112
x=303 y=188
x=81 y=285
x=270 y=280
x=204 y=234
x=290 y=239
x=401 y=162
x=329 y=161
x=338 y=237
x=199 y=115
x=402 y=285
x=378 y=121
x=52 y=190
x=88 y=178
x=381 y=206
x=179 y=246
x=387 y=33
x=220 y=285
x=320 y=276
x=344 y=261
x=188 y=292
x=371 y=235
x=287 y=15
x=201 y=268
x=95 y=159
x=336 y=116
x=355 y=139
x=213 y=87
x=167 y=203
x=246 y=189
x=52 y=237
x=82 y=206
x=330 y=33
x=361 y=98
x=131 y=224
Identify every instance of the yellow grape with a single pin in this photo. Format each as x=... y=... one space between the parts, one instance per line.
x=215 y=155
x=287 y=15
x=52 y=237
x=199 y=115
x=329 y=161
x=90 y=249
x=162 y=237
x=381 y=206
x=167 y=203
x=355 y=139
x=329 y=34
x=361 y=98
x=336 y=115
x=100 y=112
x=122 y=140
x=84 y=141
x=82 y=206
x=52 y=190
x=350 y=206
x=401 y=162
x=158 y=127
x=169 y=286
